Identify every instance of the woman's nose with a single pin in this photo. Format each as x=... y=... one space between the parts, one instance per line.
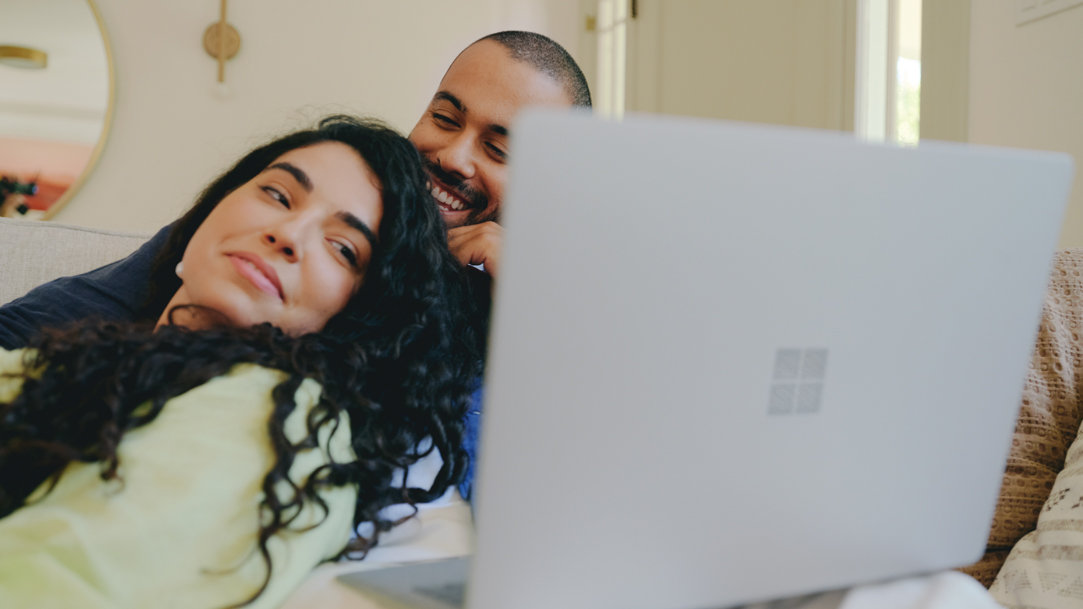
x=281 y=242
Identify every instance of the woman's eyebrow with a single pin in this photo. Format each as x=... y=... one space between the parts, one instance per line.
x=359 y=225
x=295 y=171
x=346 y=217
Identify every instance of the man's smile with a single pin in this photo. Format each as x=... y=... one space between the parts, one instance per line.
x=452 y=194
x=447 y=200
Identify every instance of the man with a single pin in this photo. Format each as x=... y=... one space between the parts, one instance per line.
x=463 y=135
x=463 y=139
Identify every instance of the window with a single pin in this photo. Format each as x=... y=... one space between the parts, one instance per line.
x=612 y=32
x=888 y=79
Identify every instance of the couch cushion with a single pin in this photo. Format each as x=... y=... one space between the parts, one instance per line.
x=1049 y=416
x=36 y=252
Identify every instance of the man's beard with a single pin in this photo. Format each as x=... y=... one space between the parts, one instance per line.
x=476 y=200
x=477 y=216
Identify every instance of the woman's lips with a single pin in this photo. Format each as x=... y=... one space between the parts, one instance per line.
x=259 y=273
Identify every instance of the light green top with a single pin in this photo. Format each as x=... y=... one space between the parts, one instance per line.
x=181 y=529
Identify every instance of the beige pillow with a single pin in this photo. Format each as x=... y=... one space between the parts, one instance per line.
x=1049 y=416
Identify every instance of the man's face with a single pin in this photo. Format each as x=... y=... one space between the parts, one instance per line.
x=463 y=135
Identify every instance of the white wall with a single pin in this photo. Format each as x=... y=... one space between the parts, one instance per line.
x=1026 y=88
x=173 y=131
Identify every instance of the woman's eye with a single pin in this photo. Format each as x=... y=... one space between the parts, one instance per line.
x=346 y=251
x=276 y=195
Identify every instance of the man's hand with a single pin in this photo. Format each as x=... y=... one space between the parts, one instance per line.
x=477 y=244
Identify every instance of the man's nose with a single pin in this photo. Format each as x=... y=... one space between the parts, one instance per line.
x=458 y=156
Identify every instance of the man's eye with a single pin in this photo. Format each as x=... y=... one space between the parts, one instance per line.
x=497 y=152
x=444 y=120
x=276 y=195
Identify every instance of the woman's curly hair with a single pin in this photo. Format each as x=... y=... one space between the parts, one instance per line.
x=401 y=359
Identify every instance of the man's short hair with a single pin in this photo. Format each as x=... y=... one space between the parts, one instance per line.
x=549 y=58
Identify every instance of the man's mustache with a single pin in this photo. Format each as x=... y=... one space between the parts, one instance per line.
x=473 y=198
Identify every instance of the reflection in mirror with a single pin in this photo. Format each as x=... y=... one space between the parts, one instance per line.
x=54 y=118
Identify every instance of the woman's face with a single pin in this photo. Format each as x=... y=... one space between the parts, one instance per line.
x=289 y=247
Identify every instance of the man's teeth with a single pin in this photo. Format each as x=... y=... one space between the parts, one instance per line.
x=447 y=199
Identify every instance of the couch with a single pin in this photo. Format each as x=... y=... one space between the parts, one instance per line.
x=35 y=252
x=1034 y=555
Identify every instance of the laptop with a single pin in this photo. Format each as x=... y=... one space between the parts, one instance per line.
x=731 y=363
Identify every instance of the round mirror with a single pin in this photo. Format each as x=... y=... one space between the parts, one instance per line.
x=56 y=102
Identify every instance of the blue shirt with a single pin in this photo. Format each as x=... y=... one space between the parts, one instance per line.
x=470 y=444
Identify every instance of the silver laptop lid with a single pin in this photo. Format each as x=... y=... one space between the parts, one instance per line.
x=732 y=362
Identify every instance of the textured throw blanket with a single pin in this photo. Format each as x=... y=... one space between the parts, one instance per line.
x=1048 y=424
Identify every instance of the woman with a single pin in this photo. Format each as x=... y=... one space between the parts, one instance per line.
x=302 y=339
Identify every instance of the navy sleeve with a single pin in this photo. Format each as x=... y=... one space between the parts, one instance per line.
x=470 y=443
x=112 y=292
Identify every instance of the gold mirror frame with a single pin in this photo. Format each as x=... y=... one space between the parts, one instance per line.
x=107 y=120
x=57 y=99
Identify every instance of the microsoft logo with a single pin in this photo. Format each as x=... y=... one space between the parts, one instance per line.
x=797 y=383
